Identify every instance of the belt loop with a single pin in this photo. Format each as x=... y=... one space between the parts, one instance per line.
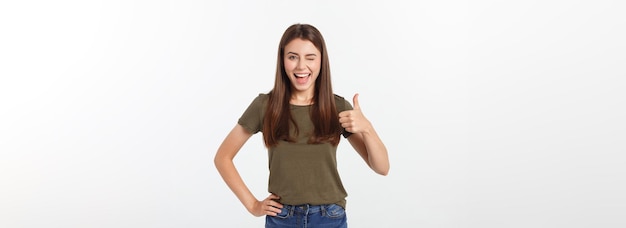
x=323 y=209
x=291 y=208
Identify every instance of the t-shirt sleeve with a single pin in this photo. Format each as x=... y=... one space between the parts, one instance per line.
x=252 y=118
x=345 y=105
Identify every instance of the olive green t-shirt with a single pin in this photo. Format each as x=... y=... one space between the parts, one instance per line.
x=300 y=173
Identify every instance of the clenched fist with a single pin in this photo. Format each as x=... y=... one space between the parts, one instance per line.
x=353 y=120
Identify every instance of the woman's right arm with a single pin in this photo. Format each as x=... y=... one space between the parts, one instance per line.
x=225 y=166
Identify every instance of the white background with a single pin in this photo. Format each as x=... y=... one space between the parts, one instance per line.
x=495 y=113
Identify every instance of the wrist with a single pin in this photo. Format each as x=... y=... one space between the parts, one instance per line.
x=368 y=130
x=250 y=205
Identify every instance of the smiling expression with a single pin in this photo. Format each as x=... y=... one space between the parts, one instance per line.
x=302 y=65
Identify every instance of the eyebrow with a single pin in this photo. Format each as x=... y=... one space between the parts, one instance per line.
x=298 y=54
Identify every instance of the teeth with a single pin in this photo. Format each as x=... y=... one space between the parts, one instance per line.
x=301 y=75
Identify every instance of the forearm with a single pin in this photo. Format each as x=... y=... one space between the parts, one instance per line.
x=231 y=176
x=377 y=156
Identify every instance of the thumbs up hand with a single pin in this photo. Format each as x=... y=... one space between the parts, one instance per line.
x=353 y=120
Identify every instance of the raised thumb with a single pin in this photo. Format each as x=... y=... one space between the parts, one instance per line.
x=355 y=101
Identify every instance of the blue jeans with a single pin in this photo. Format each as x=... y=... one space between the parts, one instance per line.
x=308 y=216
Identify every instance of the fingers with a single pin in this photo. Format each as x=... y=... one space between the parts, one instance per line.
x=351 y=119
x=345 y=113
x=273 y=196
x=270 y=206
x=270 y=200
x=346 y=121
x=355 y=101
x=347 y=118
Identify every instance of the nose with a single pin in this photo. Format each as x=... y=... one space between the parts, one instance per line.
x=301 y=65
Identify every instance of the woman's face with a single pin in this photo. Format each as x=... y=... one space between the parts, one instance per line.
x=302 y=64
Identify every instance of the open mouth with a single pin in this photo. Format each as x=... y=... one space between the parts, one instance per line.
x=302 y=75
x=302 y=78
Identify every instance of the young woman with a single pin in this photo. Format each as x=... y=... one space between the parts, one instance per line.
x=302 y=121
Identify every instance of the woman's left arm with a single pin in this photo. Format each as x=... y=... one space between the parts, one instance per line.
x=364 y=139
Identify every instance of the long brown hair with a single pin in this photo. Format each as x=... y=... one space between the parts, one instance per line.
x=278 y=117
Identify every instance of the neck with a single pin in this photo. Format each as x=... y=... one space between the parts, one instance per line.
x=301 y=98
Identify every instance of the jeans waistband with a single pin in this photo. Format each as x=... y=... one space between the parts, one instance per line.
x=305 y=208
